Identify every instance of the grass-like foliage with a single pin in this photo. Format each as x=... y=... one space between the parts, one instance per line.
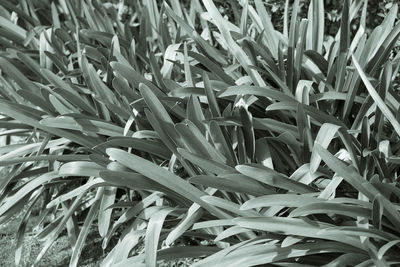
x=181 y=134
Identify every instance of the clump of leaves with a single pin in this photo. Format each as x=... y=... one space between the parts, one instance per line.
x=185 y=135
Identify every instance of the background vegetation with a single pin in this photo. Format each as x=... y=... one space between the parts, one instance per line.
x=238 y=134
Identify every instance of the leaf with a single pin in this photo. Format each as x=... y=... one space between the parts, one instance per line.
x=375 y=96
x=274 y=125
x=26 y=189
x=31 y=117
x=231 y=231
x=154 y=147
x=76 y=252
x=348 y=258
x=154 y=103
x=352 y=177
x=315 y=113
x=212 y=67
x=291 y=46
x=254 y=254
x=386 y=247
x=231 y=183
x=263 y=153
x=336 y=208
x=358 y=231
x=122 y=86
x=99 y=87
x=16 y=75
x=97 y=182
x=273 y=178
x=234 y=48
x=173 y=253
x=196 y=142
x=153 y=234
x=212 y=101
x=81 y=168
x=188 y=73
x=386 y=46
x=185 y=252
x=345 y=171
x=316 y=25
x=161 y=176
x=285 y=200
x=212 y=223
x=133 y=77
x=206 y=164
x=294 y=226
x=299 y=51
x=82 y=124
x=131 y=180
x=131 y=213
x=257 y=91
x=377 y=212
x=345 y=27
x=22 y=228
x=26 y=149
x=269 y=31
x=104 y=218
x=228 y=206
x=325 y=135
x=57 y=81
x=57 y=61
x=44 y=158
x=248 y=132
x=193 y=214
x=57 y=230
x=194 y=113
x=221 y=142
x=13 y=28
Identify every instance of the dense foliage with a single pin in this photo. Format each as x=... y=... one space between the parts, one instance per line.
x=181 y=133
x=377 y=10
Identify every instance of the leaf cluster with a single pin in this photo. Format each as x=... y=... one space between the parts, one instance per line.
x=164 y=124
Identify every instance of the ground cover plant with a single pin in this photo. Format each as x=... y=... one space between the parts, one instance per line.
x=180 y=133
